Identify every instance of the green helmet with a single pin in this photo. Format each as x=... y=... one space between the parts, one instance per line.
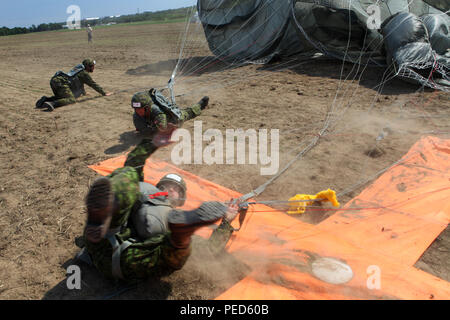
x=173 y=178
x=88 y=63
x=140 y=100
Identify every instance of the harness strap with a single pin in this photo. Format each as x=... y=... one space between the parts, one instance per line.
x=117 y=250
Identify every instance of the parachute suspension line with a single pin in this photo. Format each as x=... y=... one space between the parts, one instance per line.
x=233 y=80
x=338 y=117
x=194 y=69
x=363 y=182
x=375 y=145
x=171 y=82
x=381 y=86
x=314 y=142
x=358 y=68
x=223 y=83
x=263 y=187
x=329 y=115
x=273 y=12
x=358 y=63
x=227 y=67
x=203 y=59
x=328 y=119
x=181 y=68
x=212 y=11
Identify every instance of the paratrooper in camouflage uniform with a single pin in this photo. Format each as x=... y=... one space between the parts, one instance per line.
x=108 y=236
x=67 y=87
x=153 y=112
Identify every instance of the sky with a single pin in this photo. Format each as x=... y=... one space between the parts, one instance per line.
x=24 y=13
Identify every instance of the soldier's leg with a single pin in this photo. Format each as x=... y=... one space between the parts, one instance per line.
x=195 y=110
x=62 y=93
x=137 y=157
x=122 y=188
x=41 y=101
x=54 y=82
x=191 y=112
x=125 y=185
x=154 y=257
x=64 y=97
x=164 y=254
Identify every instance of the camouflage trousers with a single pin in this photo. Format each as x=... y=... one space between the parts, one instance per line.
x=62 y=93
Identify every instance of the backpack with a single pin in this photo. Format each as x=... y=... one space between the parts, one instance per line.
x=75 y=84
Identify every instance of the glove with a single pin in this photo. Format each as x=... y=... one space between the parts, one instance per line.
x=204 y=102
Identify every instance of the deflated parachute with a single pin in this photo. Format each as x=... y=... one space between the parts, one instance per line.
x=410 y=37
x=443 y=5
x=409 y=51
x=248 y=30
x=350 y=29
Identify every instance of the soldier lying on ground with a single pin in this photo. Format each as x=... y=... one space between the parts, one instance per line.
x=152 y=112
x=109 y=239
x=67 y=87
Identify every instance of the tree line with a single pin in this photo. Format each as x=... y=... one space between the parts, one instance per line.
x=4 y=31
x=145 y=16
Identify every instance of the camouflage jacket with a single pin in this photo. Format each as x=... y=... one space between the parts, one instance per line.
x=77 y=78
x=85 y=78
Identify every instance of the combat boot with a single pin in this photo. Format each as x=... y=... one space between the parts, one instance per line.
x=183 y=224
x=40 y=102
x=204 y=102
x=100 y=207
x=49 y=105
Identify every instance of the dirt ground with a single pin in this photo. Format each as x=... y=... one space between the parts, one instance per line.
x=44 y=175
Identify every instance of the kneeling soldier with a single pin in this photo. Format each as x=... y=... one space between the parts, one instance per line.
x=67 y=87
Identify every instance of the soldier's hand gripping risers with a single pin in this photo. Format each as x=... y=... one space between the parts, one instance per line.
x=220 y=236
x=183 y=224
